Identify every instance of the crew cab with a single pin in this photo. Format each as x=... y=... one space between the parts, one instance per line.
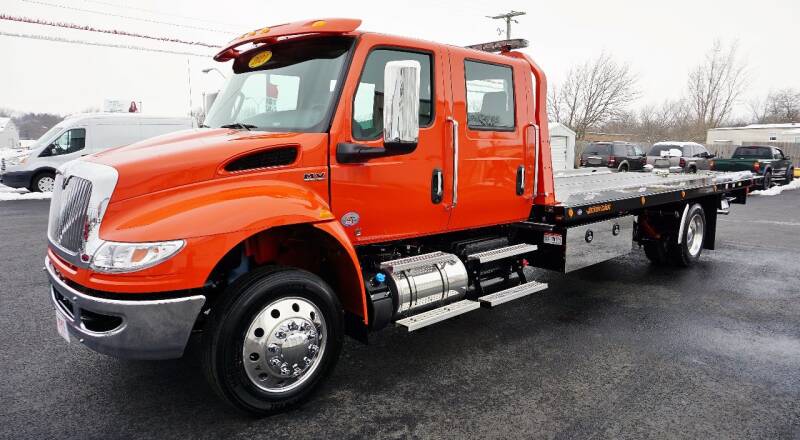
x=345 y=181
x=765 y=160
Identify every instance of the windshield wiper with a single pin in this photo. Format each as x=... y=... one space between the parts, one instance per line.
x=247 y=127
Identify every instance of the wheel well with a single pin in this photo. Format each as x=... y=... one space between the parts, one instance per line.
x=300 y=246
x=41 y=171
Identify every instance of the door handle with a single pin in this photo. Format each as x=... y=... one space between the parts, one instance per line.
x=535 y=156
x=455 y=161
x=521 y=180
x=437 y=186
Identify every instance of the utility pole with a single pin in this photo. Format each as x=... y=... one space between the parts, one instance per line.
x=508 y=17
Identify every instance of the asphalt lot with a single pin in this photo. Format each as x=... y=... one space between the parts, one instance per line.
x=619 y=350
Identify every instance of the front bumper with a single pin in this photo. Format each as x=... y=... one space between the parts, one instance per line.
x=16 y=179
x=133 y=329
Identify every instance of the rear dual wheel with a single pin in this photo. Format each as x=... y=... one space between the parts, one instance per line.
x=692 y=240
x=275 y=336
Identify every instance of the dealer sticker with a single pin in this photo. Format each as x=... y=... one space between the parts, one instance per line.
x=553 y=238
x=61 y=326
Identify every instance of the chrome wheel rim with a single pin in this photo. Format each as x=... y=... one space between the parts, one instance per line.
x=284 y=344
x=694 y=235
x=45 y=184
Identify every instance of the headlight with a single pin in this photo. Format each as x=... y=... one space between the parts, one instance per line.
x=129 y=257
x=23 y=159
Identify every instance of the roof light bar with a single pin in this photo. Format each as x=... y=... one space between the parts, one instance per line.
x=500 y=46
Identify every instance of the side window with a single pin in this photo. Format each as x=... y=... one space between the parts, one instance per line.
x=69 y=142
x=700 y=150
x=368 y=100
x=637 y=150
x=777 y=154
x=490 y=96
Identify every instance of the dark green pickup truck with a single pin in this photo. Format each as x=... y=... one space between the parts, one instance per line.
x=763 y=160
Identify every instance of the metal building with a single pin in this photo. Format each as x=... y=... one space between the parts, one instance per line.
x=562 y=146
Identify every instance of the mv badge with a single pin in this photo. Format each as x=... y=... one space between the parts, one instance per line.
x=314 y=177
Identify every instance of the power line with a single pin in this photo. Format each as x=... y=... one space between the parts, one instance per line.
x=104 y=31
x=92 y=43
x=508 y=17
x=154 y=12
x=109 y=14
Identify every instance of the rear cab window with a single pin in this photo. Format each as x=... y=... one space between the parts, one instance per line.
x=753 y=152
x=490 y=96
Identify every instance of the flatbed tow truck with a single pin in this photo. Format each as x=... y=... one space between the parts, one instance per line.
x=345 y=181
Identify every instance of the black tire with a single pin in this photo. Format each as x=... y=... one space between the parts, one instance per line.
x=656 y=252
x=38 y=181
x=688 y=251
x=692 y=170
x=766 y=183
x=224 y=337
x=623 y=168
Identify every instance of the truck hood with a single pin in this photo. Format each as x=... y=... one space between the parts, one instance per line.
x=183 y=157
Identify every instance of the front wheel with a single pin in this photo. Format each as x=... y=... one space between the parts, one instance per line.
x=43 y=182
x=272 y=340
x=688 y=251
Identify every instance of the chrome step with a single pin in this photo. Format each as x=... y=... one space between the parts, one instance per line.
x=402 y=264
x=504 y=296
x=436 y=315
x=502 y=253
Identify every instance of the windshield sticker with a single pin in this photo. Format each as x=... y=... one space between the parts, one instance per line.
x=259 y=59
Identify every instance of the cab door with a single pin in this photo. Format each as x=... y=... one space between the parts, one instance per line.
x=490 y=105
x=389 y=198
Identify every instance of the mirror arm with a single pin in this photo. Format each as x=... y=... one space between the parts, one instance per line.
x=355 y=153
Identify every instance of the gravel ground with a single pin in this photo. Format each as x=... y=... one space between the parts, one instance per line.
x=619 y=350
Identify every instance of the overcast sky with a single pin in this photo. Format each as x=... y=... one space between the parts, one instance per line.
x=660 y=40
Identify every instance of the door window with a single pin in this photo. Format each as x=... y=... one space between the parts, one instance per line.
x=69 y=142
x=490 y=96
x=368 y=101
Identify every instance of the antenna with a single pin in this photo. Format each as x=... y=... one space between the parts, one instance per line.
x=508 y=17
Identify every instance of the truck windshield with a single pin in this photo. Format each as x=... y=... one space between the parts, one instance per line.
x=752 y=153
x=288 y=86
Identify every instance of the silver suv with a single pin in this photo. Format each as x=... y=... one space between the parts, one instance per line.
x=693 y=156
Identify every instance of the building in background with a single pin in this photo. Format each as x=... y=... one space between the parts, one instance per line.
x=562 y=146
x=9 y=137
x=755 y=133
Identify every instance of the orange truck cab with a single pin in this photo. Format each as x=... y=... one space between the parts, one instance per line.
x=343 y=181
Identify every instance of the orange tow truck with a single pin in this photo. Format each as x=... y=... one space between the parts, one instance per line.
x=344 y=181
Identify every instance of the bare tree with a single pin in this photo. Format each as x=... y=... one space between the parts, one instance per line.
x=716 y=84
x=593 y=93
x=780 y=106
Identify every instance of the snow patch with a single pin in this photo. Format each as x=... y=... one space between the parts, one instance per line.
x=775 y=190
x=8 y=193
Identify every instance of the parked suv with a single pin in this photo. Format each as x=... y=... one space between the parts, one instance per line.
x=693 y=156
x=623 y=156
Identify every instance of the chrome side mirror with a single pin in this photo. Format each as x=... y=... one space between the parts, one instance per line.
x=401 y=103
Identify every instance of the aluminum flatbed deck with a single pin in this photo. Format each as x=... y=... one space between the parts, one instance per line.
x=587 y=194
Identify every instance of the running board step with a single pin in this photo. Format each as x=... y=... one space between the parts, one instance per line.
x=504 y=296
x=502 y=253
x=425 y=319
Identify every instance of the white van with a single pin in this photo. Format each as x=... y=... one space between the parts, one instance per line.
x=81 y=135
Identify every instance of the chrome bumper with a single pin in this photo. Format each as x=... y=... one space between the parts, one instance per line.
x=147 y=329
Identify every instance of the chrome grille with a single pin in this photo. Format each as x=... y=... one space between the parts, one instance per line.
x=68 y=210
